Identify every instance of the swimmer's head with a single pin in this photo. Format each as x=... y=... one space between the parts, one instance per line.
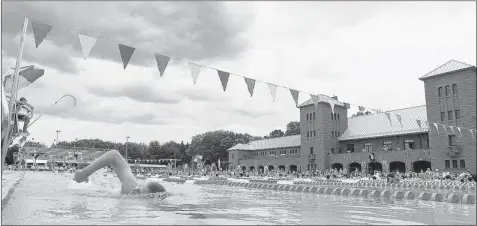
x=150 y=187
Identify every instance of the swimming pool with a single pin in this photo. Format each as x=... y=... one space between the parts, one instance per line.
x=48 y=198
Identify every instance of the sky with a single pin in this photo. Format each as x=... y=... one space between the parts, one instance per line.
x=367 y=53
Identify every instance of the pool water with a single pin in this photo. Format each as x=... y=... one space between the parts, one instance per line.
x=49 y=198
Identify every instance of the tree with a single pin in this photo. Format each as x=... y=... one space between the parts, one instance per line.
x=293 y=128
x=277 y=133
x=361 y=113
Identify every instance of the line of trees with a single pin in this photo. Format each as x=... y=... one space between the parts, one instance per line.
x=211 y=145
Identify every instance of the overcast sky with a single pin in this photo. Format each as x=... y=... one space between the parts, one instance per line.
x=366 y=53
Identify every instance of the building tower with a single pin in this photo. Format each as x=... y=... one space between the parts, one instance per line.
x=450 y=92
x=320 y=128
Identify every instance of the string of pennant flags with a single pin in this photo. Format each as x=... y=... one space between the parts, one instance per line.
x=41 y=30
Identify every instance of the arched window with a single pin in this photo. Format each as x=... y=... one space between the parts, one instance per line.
x=454 y=89
x=440 y=91
x=447 y=91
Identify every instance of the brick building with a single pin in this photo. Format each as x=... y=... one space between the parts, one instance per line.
x=332 y=140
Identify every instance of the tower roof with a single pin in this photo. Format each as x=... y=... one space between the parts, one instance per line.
x=451 y=66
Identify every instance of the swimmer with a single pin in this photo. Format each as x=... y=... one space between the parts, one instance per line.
x=123 y=171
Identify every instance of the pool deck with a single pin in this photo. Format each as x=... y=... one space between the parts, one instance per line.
x=9 y=181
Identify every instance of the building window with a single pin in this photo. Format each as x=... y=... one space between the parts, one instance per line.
x=408 y=144
x=449 y=115
x=447 y=91
x=457 y=114
x=232 y=156
x=350 y=147
x=313 y=115
x=332 y=134
x=387 y=146
x=331 y=116
x=454 y=89
x=338 y=117
x=447 y=164
x=462 y=163
x=368 y=147
x=454 y=163
x=334 y=116
x=440 y=91
x=443 y=116
x=311 y=150
x=314 y=133
x=452 y=140
x=307 y=134
x=307 y=117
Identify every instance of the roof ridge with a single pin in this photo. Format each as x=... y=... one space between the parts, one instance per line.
x=430 y=73
x=390 y=111
x=273 y=138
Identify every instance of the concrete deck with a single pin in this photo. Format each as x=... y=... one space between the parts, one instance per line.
x=9 y=181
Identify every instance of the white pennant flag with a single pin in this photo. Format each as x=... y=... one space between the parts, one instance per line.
x=332 y=105
x=472 y=133
x=87 y=44
x=273 y=90
x=437 y=127
x=452 y=129
x=194 y=71
x=458 y=129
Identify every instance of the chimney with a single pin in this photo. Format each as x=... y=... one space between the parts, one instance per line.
x=334 y=97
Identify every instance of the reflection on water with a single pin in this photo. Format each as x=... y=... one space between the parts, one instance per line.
x=47 y=198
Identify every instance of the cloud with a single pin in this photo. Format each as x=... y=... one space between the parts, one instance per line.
x=140 y=92
x=192 y=30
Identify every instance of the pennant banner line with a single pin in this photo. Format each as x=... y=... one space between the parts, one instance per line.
x=87 y=42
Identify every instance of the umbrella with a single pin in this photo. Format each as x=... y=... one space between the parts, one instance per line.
x=27 y=75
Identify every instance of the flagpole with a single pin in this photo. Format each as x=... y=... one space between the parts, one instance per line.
x=13 y=97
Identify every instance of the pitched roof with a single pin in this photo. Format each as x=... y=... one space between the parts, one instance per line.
x=450 y=66
x=378 y=125
x=325 y=99
x=279 y=142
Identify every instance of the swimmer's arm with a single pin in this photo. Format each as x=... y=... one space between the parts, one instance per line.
x=121 y=167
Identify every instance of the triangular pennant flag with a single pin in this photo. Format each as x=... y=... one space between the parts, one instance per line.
x=445 y=128
x=452 y=129
x=437 y=127
x=40 y=31
x=399 y=119
x=273 y=90
x=224 y=78
x=295 y=95
x=419 y=123
x=194 y=71
x=316 y=99
x=458 y=129
x=389 y=117
x=332 y=105
x=126 y=53
x=87 y=44
x=472 y=133
x=162 y=62
x=250 y=85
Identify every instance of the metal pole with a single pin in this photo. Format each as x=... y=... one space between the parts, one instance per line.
x=13 y=99
x=57 y=140
x=127 y=138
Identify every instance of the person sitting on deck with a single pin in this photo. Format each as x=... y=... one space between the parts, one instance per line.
x=22 y=116
x=123 y=171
